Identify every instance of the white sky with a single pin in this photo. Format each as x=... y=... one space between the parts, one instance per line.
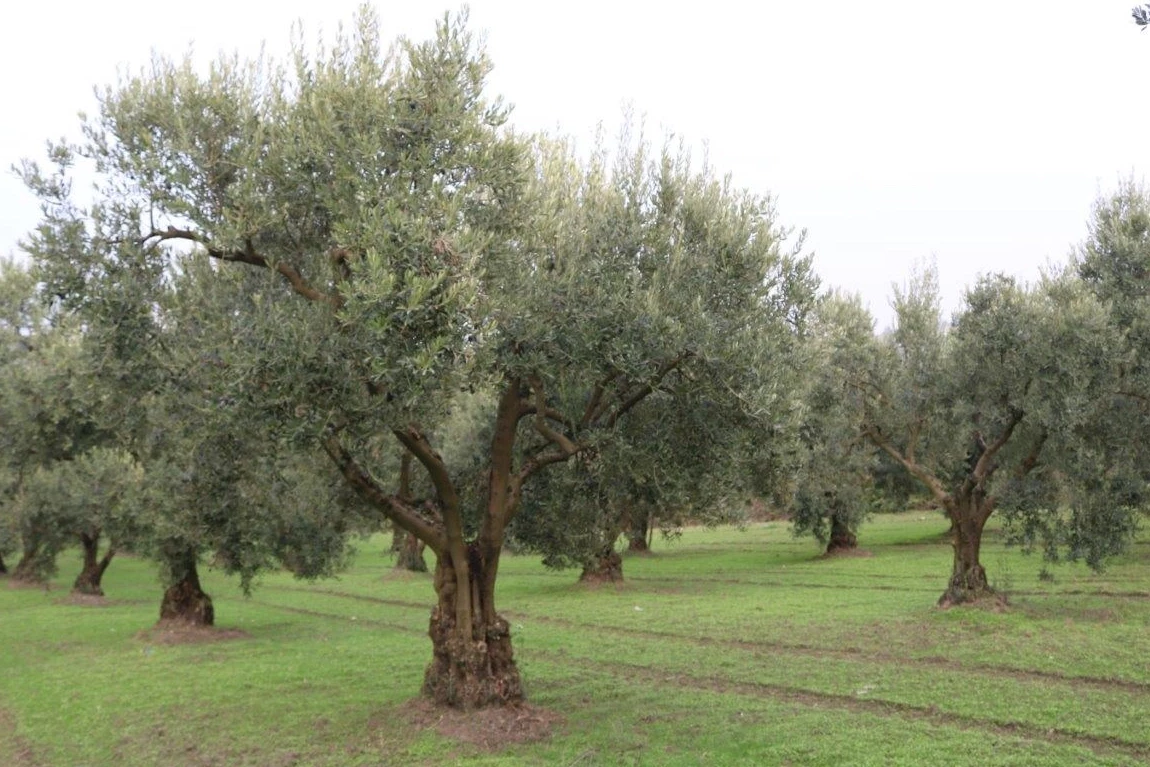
x=976 y=132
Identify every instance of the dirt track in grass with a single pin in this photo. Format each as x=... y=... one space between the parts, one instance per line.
x=642 y=674
x=793 y=648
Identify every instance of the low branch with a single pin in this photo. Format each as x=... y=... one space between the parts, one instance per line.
x=542 y=413
x=396 y=509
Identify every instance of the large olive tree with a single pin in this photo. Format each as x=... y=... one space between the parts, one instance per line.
x=411 y=246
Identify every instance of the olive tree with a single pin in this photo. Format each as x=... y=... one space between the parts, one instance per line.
x=408 y=246
x=47 y=420
x=1114 y=262
x=1011 y=407
x=681 y=455
x=835 y=464
x=86 y=499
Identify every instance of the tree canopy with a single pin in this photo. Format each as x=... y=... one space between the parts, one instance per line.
x=407 y=246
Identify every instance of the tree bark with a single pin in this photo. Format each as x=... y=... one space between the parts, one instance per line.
x=184 y=600
x=469 y=669
x=842 y=538
x=409 y=551
x=637 y=535
x=968 y=514
x=607 y=567
x=91 y=575
x=410 y=555
x=29 y=569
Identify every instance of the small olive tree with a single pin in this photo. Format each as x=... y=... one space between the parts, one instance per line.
x=835 y=465
x=1012 y=407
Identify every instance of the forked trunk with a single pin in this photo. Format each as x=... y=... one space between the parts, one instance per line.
x=842 y=538
x=470 y=669
x=29 y=569
x=607 y=567
x=968 y=580
x=638 y=535
x=184 y=600
x=410 y=555
x=90 y=577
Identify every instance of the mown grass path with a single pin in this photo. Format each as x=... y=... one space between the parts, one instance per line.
x=727 y=647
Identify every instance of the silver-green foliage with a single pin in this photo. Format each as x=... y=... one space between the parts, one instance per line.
x=834 y=467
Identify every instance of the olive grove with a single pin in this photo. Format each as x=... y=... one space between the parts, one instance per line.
x=403 y=246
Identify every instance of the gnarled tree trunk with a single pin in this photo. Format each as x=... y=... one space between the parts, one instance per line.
x=91 y=575
x=470 y=668
x=29 y=568
x=607 y=567
x=410 y=555
x=968 y=583
x=842 y=538
x=184 y=600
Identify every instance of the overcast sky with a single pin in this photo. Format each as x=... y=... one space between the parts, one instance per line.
x=977 y=133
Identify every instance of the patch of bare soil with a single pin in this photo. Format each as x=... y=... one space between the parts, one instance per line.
x=18 y=583
x=489 y=728
x=84 y=600
x=181 y=632
x=19 y=749
x=403 y=575
x=602 y=580
x=995 y=602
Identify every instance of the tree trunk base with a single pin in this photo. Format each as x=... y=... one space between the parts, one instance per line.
x=185 y=602
x=969 y=587
x=468 y=674
x=606 y=569
x=88 y=583
x=842 y=542
x=410 y=555
x=638 y=545
x=28 y=573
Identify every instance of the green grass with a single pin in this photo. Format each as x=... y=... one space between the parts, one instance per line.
x=728 y=647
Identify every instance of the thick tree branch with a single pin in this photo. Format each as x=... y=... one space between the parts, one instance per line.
x=596 y=405
x=1029 y=463
x=916 y=470
x=106 y=559
x=912 y=439
x=396 y=509
x=982 y=469
x=640 y=393
x=412 y=439
x=246 y=255
x=564 y=443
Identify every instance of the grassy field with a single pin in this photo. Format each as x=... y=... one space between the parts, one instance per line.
x=726 y=648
